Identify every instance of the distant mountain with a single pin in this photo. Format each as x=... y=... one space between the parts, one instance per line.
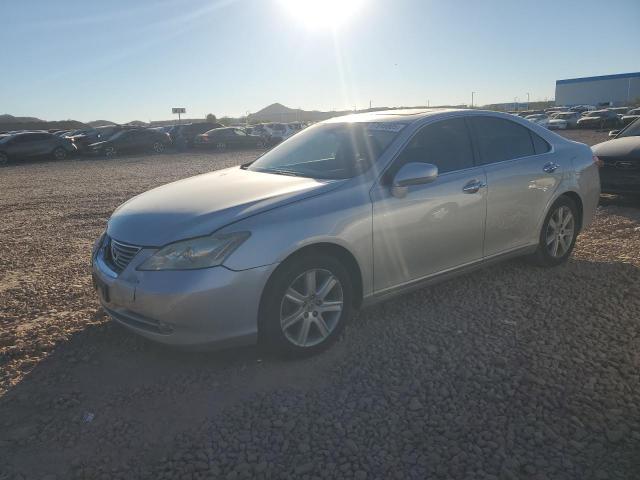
x=101 y=123
x=9 y=123
x=6 y=118
x=276 y=112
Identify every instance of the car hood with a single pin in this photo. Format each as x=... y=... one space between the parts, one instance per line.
x=202 y=204
x=619 y=147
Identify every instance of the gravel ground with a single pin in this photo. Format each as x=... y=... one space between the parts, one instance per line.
x=511 y=372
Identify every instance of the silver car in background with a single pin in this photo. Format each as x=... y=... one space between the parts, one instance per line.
x=346 y=213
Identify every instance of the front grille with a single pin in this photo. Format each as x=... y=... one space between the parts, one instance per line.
x=119 y=254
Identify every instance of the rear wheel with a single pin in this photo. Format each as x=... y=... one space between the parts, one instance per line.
x=110 y=152
x=307 y=304
x=558 y=235
x=158 y=147
x=4 y=159
x=221 y=146
x=59 y=153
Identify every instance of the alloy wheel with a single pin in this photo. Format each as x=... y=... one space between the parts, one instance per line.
x=311 y=307
x=559 y=234
x=221 y=145
x=59 y=154
x=110 y=151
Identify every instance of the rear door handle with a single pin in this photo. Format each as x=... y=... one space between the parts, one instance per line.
x=473 y=186
x=550 y=167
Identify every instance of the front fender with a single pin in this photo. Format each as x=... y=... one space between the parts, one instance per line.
x=341 y=217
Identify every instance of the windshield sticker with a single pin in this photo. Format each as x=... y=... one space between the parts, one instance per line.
x=386 y=127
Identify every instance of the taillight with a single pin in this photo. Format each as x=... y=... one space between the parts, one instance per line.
x=597 y=161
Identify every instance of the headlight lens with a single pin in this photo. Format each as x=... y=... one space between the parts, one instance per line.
x=201 y=252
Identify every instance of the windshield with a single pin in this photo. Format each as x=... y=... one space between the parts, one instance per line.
x=330 y=151
x=633 y=130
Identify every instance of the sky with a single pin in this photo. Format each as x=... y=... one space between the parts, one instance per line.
x=125 y=60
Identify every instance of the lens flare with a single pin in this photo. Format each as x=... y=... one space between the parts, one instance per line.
x=322 y=14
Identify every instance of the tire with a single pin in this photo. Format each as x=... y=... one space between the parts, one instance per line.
x=314 y=321
x=259 y=144
x=59 y=153
x=158 y=147
x=4 y=159
x=110 y=152
x=555 y=245
x=221 y=146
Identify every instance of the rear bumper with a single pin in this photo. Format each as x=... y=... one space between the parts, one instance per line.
x=211 y=307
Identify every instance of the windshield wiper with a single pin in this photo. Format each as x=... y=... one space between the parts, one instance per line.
x=280 y=171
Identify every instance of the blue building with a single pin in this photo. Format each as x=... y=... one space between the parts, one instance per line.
x=615 y=90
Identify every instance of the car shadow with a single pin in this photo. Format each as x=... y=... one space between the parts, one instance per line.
x=103 y=379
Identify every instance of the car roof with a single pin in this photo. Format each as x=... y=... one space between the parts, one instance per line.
x=390 y=116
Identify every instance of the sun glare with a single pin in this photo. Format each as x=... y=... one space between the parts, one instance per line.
x=317 y=14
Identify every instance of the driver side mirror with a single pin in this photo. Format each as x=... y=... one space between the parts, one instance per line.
x=413 y=173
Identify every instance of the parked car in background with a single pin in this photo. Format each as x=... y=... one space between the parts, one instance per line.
x=62 y=133
x=564 y=121
x=598 y=119
x=582 y=108
x=278 y=132
x=631 y=116
x=285 y=248
x=163 y=128
x=630 y=130
x=131 y=140
x=229 y=137
x=539 y=119
x=620 y=157
x=619 y=110
x=24 y=145
x=84 y=137
x=183 y=135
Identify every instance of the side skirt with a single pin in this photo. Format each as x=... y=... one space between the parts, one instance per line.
x=395 y=291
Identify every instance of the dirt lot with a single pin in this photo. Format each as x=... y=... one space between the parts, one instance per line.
x=511 y=372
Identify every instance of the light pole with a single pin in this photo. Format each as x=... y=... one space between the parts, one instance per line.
x=527 y=100
x=472 y=94
x=515 y=101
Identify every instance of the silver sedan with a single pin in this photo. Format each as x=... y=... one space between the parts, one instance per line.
x=346 y=213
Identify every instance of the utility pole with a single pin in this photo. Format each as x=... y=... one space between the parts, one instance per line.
x=427 y=103
x=527 y=100
x=515 y=101
x=472 y=94
x=369 y=104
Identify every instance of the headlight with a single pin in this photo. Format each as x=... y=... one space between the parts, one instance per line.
x=201 y=252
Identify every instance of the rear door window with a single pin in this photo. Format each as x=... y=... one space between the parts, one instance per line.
x=540 y=145
x=499 y=139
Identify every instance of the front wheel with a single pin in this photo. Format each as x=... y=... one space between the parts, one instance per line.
x=4 y=159
x=307 y=304
x=158 y=147
x=221 y=146
x=59 y=153
x=558 y=235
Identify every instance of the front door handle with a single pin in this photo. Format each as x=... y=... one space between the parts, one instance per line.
x=550 y=167
x=473 y=186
